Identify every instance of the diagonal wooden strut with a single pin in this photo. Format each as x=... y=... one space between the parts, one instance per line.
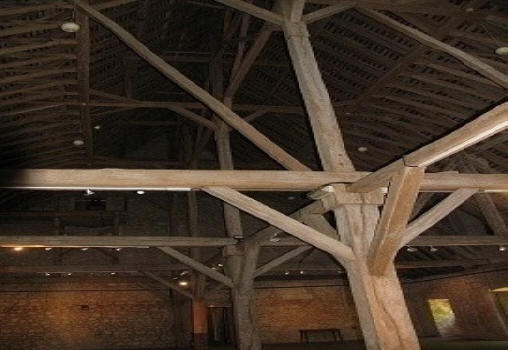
x=196 y=265
x=285 y=223
x=225 y=113
x=486 y=125
x=399 y=203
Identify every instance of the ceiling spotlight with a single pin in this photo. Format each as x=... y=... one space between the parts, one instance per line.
x=220 y=265
x=502 y=248
x=89 y=192
x=113 y=273
x=97 y=127
x=78 y=142
x=275 y=239
x=84 y=249
x=47 y=274
x=183 y=273
x=48 y=249
x=239 y=237
x=214 y=268
x=302 y=272
x=70 y=27
x=118 y=249
x=286 y=273
x=17 y=249
x=362 y=149
x=433 y=249
x=183 y=283
x=502 y=51
x=411 y=249
x=140 y=192
x=69 y=274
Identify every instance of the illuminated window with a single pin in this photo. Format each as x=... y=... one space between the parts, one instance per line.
x=444 y=317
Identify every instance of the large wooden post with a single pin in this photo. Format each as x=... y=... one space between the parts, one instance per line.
x=379 y=300
x=238 y=263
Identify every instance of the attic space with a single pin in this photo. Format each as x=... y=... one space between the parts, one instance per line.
x=253 y=174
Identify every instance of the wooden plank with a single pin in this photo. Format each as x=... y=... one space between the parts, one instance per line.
x=255 y=11
x=486 y=125
x=467 y=59
x=289 y=225
x=251 y=180
x=196 y=265
x=399 y=203
x=437 y=213
x=112 y=241
x=225 y=113
x=89 y=268
x=328 y=11
x=280 y=260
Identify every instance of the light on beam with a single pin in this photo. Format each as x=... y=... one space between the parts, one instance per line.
x=17 y=249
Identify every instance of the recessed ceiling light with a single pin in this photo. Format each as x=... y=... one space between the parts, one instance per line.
x=70 y=27
x=140 y=192
x=503 y=50
x=17 y=249
x=362 y=149
x=78 y=142
x=412 y=249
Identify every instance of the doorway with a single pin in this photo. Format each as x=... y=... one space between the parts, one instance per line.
x=220 y=325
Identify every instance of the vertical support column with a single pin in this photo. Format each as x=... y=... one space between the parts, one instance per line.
x=383 y=314
x=200 y=324
x=238 y=263
x=379 y=300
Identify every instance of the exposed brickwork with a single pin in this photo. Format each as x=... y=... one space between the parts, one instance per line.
x=88 y=319
x=283 y=312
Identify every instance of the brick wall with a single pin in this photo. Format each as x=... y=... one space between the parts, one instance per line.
x=86 y=315
x=282 y=312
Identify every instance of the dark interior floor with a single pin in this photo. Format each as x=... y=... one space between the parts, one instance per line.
x=427 y=344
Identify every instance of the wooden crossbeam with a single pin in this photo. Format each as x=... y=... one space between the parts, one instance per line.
x=328 y=11
x=196 y=265
x=446 y=240
x=225 y=113
x=467 y=59
x=437 y=213
x=252 y=180
x=253 y=10
x=286 y=223
x=399 y=203
x=112 y=241
x=486 y=125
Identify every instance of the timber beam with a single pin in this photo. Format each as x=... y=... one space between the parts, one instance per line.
x=243 y=180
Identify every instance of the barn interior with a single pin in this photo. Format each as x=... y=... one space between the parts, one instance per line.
x=247 y=174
